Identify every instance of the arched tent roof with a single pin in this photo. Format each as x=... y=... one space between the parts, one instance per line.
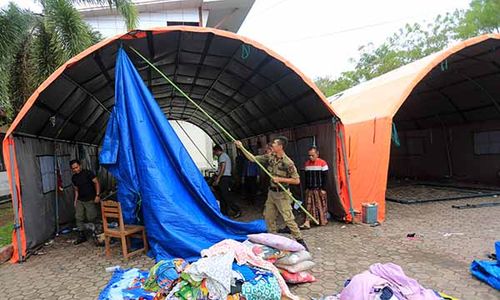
x=383 y=96
x=442 y=87
x=248 y=88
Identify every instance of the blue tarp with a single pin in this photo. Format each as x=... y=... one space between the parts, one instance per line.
x=487 y=271
x=157 y=179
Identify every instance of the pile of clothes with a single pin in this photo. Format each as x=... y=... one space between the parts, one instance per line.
x=385 y=282
x=291 y=258
x=227 y=270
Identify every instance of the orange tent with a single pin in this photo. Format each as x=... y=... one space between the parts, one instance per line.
x=248 y=88
x=367 y=110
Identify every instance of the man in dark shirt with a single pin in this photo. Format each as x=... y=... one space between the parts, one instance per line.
x=87 y=190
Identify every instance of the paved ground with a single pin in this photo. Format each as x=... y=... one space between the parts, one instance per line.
x=409 y=192
x=448 y=240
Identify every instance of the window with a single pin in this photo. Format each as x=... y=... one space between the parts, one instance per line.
x=175 y=23
x=47 y=172
x=487 y=142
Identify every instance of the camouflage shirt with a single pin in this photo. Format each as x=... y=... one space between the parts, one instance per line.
x=278 y=167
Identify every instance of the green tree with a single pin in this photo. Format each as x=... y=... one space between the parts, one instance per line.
x=15 y=23
x=330 y=86
x=32 y=46
x=483 y=16
x=415 y=41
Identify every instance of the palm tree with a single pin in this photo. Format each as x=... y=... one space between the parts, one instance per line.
x=14 y=23
x=33 y=45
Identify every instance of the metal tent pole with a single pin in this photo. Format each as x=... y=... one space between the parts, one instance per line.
x=346 y=167
x=297 y=153
x=56 y=166
x=15 y=198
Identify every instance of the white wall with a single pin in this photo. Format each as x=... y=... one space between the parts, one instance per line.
x=112 y=24
x=4 y=184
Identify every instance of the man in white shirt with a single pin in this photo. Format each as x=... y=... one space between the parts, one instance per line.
x=223 y=182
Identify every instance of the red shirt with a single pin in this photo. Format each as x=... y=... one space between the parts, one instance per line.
x=316 y=172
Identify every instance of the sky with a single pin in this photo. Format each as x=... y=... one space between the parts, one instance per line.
x=320 y=36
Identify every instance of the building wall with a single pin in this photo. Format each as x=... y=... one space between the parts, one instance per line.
x=423 y=154
x=4 y=184
x=113 y=23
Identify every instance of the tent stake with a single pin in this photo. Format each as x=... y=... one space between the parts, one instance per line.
x=231 y=138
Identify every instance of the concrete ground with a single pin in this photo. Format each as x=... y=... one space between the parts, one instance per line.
x=447 y=241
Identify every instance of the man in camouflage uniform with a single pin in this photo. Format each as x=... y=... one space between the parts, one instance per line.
x=283 y=171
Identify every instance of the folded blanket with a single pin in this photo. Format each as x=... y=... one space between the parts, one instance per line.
x=126 y=284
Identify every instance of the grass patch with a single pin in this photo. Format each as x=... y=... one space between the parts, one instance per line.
x=5 y=235
x=6 y=219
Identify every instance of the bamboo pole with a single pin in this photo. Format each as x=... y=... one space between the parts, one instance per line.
x=248 y=153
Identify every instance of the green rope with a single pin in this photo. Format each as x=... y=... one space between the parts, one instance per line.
x=231 y=138
x=444 y=65
x=138 y=209
x=395 y=136
x=245 y=51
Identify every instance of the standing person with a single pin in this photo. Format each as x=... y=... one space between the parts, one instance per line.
x=87 y=190
x=316 y=170
x=222 y=183
x=283 y=171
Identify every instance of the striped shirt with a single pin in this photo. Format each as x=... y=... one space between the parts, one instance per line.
x=316 y=173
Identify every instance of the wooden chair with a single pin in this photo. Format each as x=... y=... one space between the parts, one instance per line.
x=112 y=210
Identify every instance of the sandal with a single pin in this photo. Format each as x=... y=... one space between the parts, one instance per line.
x=304 y=227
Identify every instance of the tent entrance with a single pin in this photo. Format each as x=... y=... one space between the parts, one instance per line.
x=449 y=128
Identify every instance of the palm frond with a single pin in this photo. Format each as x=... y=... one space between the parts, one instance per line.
x=16 y=24
x=69 y=31
x=129 y=12
x=45 y=55
x=21 y=83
